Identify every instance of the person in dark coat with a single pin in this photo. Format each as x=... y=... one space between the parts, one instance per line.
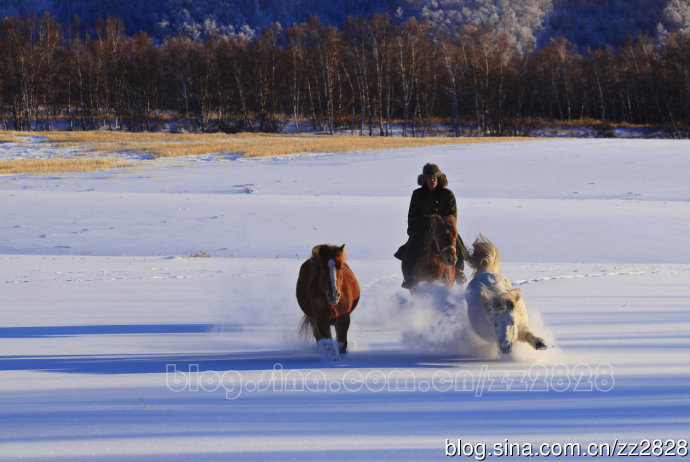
x=432 y=198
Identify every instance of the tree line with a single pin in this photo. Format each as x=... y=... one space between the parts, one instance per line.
x=363 y=77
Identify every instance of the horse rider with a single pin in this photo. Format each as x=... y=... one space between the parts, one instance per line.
x=432 y=198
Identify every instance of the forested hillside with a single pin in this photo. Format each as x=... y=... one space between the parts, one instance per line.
x=491 y=68
x=586 y=23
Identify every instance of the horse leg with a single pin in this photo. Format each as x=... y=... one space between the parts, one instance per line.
x=449 y=276
x=322 y=332
x=342 y=324
x=537 y=342
x=322 y=329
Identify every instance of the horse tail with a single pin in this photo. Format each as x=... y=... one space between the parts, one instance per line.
x=484 y=257
x=305 y=327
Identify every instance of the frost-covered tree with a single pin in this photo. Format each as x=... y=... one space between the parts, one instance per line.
x=597 y=23
x=676 y=16
x=586 y=23
x=521 y=20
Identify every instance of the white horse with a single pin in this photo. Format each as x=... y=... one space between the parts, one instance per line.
x=496 y=310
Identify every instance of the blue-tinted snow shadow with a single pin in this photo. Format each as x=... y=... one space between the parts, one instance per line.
x=117 y=329
x=636 y=405
x=332 y=455
x=263 y=360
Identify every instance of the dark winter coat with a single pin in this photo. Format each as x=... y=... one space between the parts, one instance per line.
x=424 y=203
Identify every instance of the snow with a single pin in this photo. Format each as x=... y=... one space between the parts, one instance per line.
x=116 y=344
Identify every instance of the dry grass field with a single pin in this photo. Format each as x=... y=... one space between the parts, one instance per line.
x=51 y=166
x=10 y=137
x=108 y=147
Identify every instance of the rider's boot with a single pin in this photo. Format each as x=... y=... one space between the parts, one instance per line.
x=409 y=280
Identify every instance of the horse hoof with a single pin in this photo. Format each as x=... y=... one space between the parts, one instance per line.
x=540 y=345
x=327 y=349
x=342 y=348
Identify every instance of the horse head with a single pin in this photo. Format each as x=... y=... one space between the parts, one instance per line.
x=444 y=234
x=330 y=260
x=503 y=314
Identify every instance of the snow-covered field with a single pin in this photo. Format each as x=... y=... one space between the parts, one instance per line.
x=115 y=344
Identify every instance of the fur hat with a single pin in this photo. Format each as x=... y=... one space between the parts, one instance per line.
x=432 y=170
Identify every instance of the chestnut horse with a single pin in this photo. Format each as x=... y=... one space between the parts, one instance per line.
x=327 y=292
x=438 y=255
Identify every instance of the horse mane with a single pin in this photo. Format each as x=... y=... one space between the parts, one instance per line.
x=509 y=300
x=451 y=223
x=328 y=251
x=484 y=256
x=448 y=221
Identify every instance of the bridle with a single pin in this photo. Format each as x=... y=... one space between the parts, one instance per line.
x=440 y=250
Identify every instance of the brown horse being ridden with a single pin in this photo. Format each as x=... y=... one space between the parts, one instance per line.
x=432 y=205
x=327 y=292
x=438 y=255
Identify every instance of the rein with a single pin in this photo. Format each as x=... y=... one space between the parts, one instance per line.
x=438 y=247
x=441 y=250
